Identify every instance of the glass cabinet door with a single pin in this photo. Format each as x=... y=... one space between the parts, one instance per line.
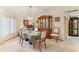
x=46 y=23
x=38 y=23
x=41 y=24
x=50 y=23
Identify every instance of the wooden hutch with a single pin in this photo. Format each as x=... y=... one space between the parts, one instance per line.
x=45 y=24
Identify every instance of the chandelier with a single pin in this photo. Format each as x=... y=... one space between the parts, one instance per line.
x=30 y=14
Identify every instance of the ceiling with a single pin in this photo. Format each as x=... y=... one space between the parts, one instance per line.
x=24 y=11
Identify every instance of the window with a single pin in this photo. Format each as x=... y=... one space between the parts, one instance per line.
x=7 y=26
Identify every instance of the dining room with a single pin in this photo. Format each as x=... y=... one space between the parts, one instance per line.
x=37 y=29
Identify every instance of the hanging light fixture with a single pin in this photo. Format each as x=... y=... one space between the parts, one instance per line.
x=30 y=17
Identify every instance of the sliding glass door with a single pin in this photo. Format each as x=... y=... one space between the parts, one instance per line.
x=7 y=26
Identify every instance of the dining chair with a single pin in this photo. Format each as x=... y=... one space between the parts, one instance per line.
x=41 y=39
x=22 y=37
x=55 y=33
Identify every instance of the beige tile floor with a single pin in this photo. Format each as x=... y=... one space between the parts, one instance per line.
x=68 y=45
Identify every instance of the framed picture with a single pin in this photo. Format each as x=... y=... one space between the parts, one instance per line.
x=57 y=19
x=25 y=22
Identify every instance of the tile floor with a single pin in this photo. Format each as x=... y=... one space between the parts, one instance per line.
x=68 y=45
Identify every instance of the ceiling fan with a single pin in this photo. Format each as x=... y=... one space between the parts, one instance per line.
x=74 y=10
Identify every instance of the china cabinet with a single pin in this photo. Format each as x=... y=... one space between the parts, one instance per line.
x=45 y=23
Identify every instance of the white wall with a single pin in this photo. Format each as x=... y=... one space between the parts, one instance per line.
x=61 y=24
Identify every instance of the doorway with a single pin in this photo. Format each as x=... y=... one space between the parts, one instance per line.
x=73 y=26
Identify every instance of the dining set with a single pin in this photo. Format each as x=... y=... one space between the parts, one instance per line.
x=35 y=38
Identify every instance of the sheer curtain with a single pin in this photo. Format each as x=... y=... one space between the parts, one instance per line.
x=7 y=26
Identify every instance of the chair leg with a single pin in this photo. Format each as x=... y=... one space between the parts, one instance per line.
x=56 y=40
x=20 y=40
x=22 y=43
x=40 y=47
x=33 y=45
x=45 y=44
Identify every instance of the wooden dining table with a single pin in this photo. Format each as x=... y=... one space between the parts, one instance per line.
x=31 y=35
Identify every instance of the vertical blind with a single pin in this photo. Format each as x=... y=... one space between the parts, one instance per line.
x=7 y=26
